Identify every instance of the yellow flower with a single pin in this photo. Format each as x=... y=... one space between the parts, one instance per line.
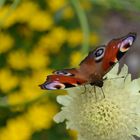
x=40 y=116
x=17 y=60
x=68 y=13
x=41 y=21
x=16 y=98
x=75 y=59
x=75 y=38
x=7 y=42
x=7 y=80
x=29 y=8
x=86 y=5
x=53 y=41
x=73 y=134
x=59 y=34
x=56 y=5
x=94 y=39
x=37 y=60
x=16 y=129
x=30 y=89
x=115 y=117
x=7 y=16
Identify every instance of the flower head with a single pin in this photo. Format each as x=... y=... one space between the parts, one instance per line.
x=115 y=117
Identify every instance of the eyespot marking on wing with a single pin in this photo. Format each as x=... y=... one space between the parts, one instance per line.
x=63 y=73
x=125 y=45
x=54 y=85
x=99 y=53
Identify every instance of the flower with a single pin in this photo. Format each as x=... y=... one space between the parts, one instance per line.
x=38 y=60
x=115 y=117
x=7 y=16
x=7 y=42
x=41 y=116
x=17 y=60
x=75 y=58
x=16 y=129
x=68 y=13
x=56 y=5
x=8 y=81
x=42 y=21
x=75 y=38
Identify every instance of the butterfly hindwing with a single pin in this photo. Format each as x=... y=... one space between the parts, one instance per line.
x=61 y=82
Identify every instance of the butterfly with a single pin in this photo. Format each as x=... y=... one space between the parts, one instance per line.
x=92 y=68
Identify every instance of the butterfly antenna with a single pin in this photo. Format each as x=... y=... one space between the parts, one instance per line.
x=114 y=78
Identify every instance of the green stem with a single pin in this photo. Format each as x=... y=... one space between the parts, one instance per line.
x=84 y=24
x=2 y=3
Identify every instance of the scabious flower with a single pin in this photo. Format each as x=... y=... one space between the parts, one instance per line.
x=115 y=117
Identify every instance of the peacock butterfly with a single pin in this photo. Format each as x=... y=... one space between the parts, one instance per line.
x=93 y=68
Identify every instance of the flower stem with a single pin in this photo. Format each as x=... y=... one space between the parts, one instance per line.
x=84 y=24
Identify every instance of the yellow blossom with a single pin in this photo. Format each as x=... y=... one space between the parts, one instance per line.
x=7 y=16
x=75 y=38
x=40 y=116
x=73 y=134
x=16 y=98
x=30 y=89
x=16 y=129
x=56 y=5
x=86 y=5
x=41 y=21
x=7 y=42
x=75 y=59
x=7 y=80
x=17 y=60
x=29 y=8
x=59 y=34
x=37 y=60
x=53 y=41
x=94 y=39
x=68 y=13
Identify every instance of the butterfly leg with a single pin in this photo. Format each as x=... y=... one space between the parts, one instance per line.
x=103 y=92
x=95 y=92
x=84 y=89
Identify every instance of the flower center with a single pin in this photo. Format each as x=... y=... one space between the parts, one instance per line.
x=102 y=119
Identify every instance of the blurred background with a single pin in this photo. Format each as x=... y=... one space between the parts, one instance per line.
x=39 y=36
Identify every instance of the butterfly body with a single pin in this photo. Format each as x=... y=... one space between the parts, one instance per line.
x=93 y=68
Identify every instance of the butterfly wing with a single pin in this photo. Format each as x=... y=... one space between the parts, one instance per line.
x=93 y=67
x=101 y=60
x=115 y=50
x=61 y=82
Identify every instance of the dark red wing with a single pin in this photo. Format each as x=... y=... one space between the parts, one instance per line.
x=116 y=49
x=60 y=82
